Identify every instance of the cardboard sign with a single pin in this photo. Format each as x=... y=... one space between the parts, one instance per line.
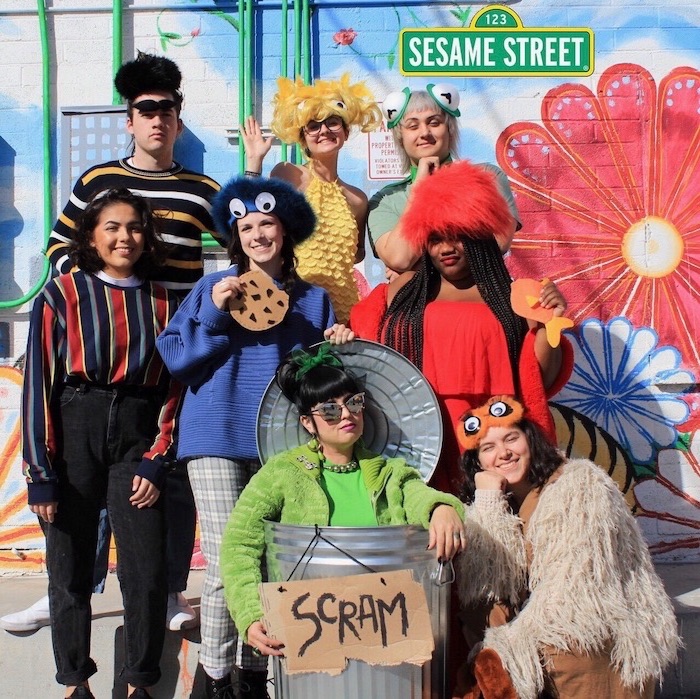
x=379 y=618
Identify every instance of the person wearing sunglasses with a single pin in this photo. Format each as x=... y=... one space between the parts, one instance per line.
x=426 y=134
x=319 y=117
x=332 y=480
x=150 y=85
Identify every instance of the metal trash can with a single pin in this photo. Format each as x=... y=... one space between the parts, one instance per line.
x=304 y=552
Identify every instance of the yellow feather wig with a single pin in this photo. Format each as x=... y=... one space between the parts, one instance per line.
x=296 y=104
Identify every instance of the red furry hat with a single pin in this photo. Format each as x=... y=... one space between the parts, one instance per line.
x=457 y=200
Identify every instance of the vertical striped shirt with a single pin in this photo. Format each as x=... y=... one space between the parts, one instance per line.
x=180 y=197
x=87 y=330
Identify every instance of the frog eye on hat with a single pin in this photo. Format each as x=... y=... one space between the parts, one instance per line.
x=394 y=106
x=446 y=97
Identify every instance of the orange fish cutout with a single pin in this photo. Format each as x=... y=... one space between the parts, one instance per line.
x=525 y=301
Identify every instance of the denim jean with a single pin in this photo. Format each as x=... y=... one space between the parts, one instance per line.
x=103 y=434
x=180 y=524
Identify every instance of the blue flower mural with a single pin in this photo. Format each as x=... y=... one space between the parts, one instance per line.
x=628 y=385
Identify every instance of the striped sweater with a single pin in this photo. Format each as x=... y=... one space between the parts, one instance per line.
x=181 y=197
x=84 y=328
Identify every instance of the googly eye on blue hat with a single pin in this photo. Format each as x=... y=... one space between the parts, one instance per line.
x=243 y=195
x=264 y=203
x=446 y=96
x=394 y=106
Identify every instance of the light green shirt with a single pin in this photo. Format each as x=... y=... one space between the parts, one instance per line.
x=348 y=499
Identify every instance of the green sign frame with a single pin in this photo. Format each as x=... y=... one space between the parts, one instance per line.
x=497 y=45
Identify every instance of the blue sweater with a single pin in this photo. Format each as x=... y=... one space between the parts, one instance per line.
x=227 y=368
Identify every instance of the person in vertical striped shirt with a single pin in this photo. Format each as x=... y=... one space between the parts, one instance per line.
x=181 y=198
x=98 y=418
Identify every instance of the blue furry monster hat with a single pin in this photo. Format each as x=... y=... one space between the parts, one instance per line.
x=243 y=195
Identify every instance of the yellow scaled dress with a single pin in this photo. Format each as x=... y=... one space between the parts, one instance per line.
x=327 y=258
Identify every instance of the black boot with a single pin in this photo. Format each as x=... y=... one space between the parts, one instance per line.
x=251 y=684
x=219 y=689
x=82 y=692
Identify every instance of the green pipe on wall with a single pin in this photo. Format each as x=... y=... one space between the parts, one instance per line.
x=117 y=30
x=284 y=65
x=241 y=80
x=306 y=40
x=46 y=135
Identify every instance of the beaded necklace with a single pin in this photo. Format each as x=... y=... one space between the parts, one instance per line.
x=349 y=467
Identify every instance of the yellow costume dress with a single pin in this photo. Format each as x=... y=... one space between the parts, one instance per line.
x=327 y=258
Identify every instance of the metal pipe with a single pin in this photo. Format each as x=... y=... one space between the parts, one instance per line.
x=284 y=63
x=250 y=62
x=272 y=4
x=117 y=33
x=241 y=81
x=296 y=154
x=306 y=40
x=46 y=134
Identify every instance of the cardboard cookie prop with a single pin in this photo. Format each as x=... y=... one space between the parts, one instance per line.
x=262 y=305
x=524 y=299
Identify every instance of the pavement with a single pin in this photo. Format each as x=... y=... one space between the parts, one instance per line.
x=26 y=659
x=27 y=666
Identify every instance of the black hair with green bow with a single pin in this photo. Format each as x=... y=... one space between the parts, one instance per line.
x=315 y=375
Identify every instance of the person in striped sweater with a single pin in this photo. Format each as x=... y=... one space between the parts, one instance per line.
x=151 y=87
x=98 y=418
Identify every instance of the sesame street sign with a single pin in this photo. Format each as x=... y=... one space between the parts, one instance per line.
x=496 y=44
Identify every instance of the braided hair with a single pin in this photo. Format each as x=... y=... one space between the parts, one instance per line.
x=401 y=327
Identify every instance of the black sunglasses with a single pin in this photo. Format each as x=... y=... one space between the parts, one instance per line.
x=333 y=123
x=154 y=105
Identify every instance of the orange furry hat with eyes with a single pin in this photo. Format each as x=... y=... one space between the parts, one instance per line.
x=498 y=411
x=457 y=200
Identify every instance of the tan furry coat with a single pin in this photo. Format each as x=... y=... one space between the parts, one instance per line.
x=592 y=586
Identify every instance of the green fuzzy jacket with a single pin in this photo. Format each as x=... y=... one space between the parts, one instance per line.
x=287 y=489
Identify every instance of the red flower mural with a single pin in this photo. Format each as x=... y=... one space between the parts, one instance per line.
x=344 y=37
x=609 y=190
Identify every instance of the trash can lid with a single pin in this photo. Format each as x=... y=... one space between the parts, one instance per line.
x=402 y=415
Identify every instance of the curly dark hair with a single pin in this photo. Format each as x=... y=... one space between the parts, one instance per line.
x=319 y=384
x=545 y=459
x=83 y=254
x=148 y=73
x=402 y=325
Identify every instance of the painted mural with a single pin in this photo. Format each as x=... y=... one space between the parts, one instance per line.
x=606 y=173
